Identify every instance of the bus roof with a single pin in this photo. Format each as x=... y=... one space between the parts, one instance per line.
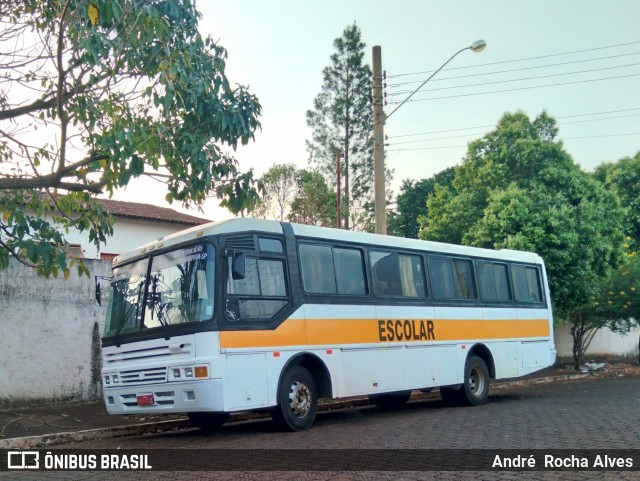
x=325 y=233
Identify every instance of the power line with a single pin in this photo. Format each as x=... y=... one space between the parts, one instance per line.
x=488 y=126
x=514 y=69
x=436 y=138
x=562 y=139
x=604 y=135
x=596 y=120
x=493 y=125
x=531 y=78
x=522 y=88
x=519 y=59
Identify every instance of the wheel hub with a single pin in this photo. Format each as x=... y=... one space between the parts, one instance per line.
x=299 y=399
x=476 y=381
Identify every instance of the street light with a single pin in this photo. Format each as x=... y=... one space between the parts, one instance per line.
x=379 y=118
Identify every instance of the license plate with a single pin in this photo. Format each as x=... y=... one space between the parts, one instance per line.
x=145 y=399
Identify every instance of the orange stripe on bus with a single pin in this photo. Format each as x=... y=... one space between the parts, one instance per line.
x=301 y=332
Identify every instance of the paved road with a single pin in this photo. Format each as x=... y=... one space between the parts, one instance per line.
x=590 y=414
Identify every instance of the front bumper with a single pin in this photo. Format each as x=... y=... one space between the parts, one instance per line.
x=175 y=397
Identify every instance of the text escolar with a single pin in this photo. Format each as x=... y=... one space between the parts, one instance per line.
x=406 y=330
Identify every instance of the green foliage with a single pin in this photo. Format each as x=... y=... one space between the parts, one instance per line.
x=315 y=203
x=623 y=178
x=518 y=189
x=411 y=203
x=297 y=196
x=618 y=300
x=116 y=90
x=341 y=121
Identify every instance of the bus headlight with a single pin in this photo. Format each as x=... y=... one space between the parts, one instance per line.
x=188 y=373
x=110 y=379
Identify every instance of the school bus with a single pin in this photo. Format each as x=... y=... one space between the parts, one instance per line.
x=250 y=314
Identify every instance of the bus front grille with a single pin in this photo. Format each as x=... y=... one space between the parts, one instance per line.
x=144 y=376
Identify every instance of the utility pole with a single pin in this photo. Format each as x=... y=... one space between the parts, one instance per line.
x=379 y=118
x=339 y=181
x=378 y=144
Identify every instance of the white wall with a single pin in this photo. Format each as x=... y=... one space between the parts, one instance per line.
x=605 y=343
x=49 y=335
x=127 y=234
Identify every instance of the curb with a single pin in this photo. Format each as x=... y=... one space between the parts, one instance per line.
x=163 y=426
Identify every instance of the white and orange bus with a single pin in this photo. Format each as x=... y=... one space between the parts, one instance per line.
x=251 y=314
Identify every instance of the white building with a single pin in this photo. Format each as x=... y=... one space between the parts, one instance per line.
x=136 y=224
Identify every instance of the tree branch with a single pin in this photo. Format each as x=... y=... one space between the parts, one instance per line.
x=55 y=179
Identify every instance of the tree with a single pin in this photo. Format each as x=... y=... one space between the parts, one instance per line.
x=95 y=93
x=315 y=203
x=280 y=189
x=341 y=121
x=615 y=305
x=298 y=196
x=411 y=203
x=623 y=178
x=517 y=188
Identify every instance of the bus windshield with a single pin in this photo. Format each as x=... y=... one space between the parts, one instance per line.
x=171 y=288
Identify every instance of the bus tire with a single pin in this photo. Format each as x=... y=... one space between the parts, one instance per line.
x=208 y=421
x=297 y=400
x=475 y=389
x=392 y=400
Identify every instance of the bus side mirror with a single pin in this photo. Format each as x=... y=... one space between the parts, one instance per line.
x=97 y=280
x=238 y=266
x=98 y=293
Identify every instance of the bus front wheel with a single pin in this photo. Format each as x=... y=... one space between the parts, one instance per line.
x=297 y=400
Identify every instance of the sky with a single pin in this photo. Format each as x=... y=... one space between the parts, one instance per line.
x=577 y=59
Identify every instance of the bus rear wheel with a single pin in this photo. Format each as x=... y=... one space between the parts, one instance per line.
x=392 y=400
x=475 y=389
x=297 y=400
x=208 y=421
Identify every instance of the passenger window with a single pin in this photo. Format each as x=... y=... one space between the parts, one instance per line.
x=261 y=294
x=349 y=270
x=452 y=278
x=397 y=274
x=526 y=283
x=494 y=283
x=270 y=245
x=327 y=270
x=385 y=273
x=463 y=279
x=441 y=278
x=318 y=274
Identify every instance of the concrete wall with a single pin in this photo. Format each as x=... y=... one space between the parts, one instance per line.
x=604 y=344
x=49 y=335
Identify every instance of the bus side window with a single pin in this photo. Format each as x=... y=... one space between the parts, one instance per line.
x=494 y=282
x=260 y=294
x=452 y=278
x=441 y=278
x=318 y=274
x=349 y=268
x=397 y=274
x=526 y=283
